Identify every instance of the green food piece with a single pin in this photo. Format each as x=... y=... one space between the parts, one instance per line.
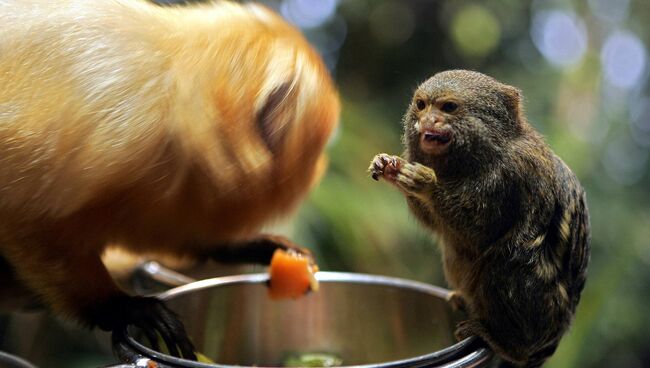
x=199 y=356
x=203 y=359
x=313 y=360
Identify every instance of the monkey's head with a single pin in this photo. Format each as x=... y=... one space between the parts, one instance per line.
x=459 y=119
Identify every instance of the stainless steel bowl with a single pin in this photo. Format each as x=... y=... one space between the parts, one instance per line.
x=364 y=320
x=11 y=361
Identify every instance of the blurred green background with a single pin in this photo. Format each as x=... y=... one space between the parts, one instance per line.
x=583 y=68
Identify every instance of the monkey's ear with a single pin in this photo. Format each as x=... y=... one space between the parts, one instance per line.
x=275 y=115
x=512 y=98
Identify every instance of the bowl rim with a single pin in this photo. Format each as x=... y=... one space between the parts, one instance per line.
x=321 y=276
x=474 y=350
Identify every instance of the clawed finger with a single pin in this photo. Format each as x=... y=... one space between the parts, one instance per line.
x=385 y=166
x=376 y=168
x=152 y=336
x=187 y=348
x=174 y=335
x=159 y=322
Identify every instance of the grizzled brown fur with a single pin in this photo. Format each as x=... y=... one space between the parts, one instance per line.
x=511 y=216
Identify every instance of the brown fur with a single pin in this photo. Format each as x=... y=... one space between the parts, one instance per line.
x=125 y=122
x=511 y=216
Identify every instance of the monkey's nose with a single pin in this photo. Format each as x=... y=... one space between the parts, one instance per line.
x=431 y=121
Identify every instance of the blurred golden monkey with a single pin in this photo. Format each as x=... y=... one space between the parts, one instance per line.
x=171 y=129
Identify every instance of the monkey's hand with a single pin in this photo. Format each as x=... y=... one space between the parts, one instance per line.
x=258 y=250
x=412 y=178
x=385 y=166
x=415 y=179
x=151 y=315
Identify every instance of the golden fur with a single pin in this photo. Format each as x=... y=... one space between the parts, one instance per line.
x=122 y=121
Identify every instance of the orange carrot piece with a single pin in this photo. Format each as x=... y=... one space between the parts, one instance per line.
x=291 y=275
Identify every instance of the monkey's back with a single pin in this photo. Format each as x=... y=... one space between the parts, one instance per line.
x=80 y=91
x=573 y=232
x=111 y=100
x=560 y=254
x=529 y=283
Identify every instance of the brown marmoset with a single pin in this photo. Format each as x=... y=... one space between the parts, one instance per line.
x=180 y=130
x=511 y=216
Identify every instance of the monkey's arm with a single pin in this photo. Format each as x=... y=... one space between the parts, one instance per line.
x=258 y=250
x=71 y=278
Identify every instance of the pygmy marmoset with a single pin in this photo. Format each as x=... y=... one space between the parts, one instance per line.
x=510 y=215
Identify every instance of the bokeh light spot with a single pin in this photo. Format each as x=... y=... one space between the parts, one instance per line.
x=624 y=59
x=610 y=10
x=475 y=31
x=560 y=36
x=308 y=13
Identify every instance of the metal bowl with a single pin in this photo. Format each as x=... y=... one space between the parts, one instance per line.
x=11 y=361
x=364 y=320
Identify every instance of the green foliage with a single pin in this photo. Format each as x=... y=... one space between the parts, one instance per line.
x=360 y=225
x=475 y=31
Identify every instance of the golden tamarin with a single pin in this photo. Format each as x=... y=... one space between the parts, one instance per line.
x=179 y=130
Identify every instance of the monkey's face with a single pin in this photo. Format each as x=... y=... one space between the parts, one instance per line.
x=431 y=123
x=460 y=116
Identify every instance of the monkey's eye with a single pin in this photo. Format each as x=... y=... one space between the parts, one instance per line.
x=420 y=104
x=449 y=107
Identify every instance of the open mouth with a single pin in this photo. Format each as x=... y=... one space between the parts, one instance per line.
x=434 y=141
x=436 y=137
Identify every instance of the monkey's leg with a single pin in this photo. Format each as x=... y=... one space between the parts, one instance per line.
x=74 y=282
x=257 y=250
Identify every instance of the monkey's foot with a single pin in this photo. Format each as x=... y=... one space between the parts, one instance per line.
x=415 y=178
x=385 y=166
x=467 y=328
x=151 y=315
x=472 y=327
x=457 y=301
